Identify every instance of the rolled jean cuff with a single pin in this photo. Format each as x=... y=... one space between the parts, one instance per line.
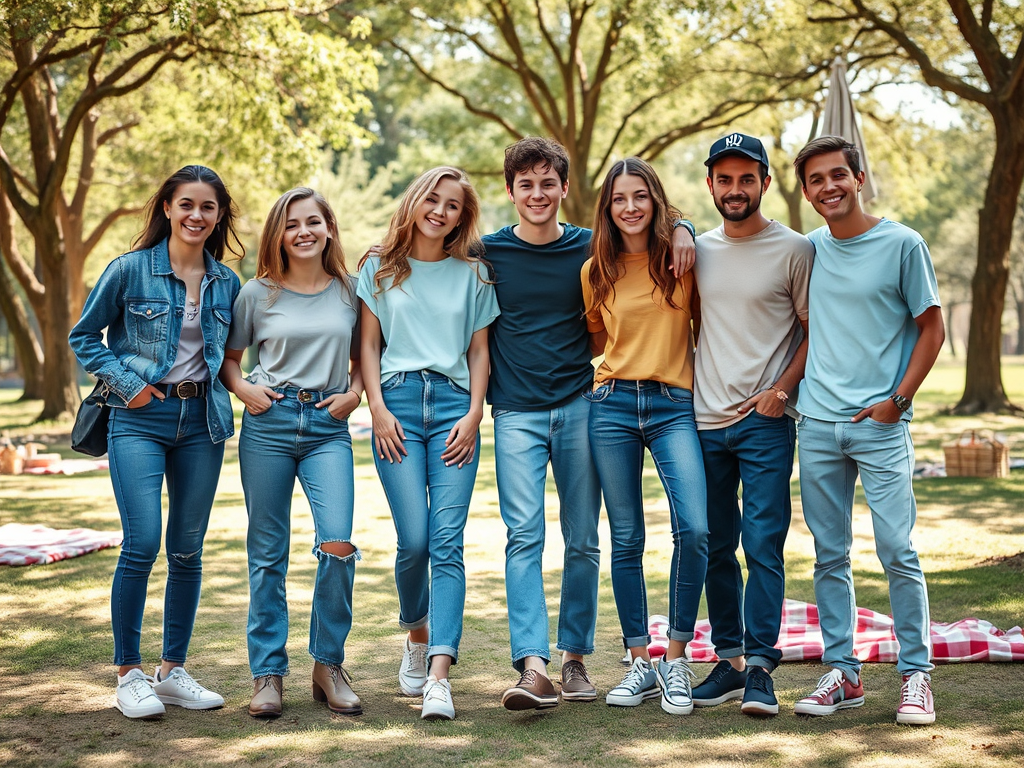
x=636 y=642
x=167 y=657
x=729 y=653
x=418 y=624
x=540 y=653
x=761 y=661
x=442 y=650
x=575 y=649
x=679 y=636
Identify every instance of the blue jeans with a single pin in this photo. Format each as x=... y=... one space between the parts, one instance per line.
x=429 y=504
x=524 y=443
x=759 y=451
x=831 y=456
x=165 y=438
x=296 y=439
x=625 y=418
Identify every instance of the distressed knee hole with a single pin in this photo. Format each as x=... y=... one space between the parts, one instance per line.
x=343 y=550
x=184 y=558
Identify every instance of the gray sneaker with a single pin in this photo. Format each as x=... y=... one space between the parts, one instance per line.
x=674 y=678
x=639 y=684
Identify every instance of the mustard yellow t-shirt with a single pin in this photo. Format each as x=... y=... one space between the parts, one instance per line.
x=648 y=339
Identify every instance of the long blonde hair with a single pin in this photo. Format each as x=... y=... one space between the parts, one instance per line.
x=271 y=258
x=463 y=242
x=606 y=243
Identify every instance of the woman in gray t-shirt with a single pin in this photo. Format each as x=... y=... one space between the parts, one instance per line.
x=300 y=313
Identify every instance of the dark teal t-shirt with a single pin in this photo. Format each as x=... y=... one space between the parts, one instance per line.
x=540 y=348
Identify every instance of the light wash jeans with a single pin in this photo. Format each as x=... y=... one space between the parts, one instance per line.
x=429 y=504
x=165 y=438
x=757 y=450
x=831 y=456
x=524 y=443
x=296 y=439
x=627 y=417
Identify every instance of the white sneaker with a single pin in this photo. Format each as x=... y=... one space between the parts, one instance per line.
x=412 y=675
x=437 y=700
x=674 y=679
x=135 y=697
x=181 y=690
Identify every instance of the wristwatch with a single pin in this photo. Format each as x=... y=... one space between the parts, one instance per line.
x=901 y=402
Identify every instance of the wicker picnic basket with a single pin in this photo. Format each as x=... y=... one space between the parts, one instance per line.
x=977 y=453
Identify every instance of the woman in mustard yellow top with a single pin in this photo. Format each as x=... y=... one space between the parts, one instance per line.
x=639 y=316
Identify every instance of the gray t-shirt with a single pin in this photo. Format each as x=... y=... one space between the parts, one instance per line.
x=753 y=293
x=303 y=340
x=190 y=362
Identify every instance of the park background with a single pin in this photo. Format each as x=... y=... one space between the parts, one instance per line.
x=99 y=101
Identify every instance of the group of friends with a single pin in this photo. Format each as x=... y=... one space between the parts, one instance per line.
x=714 y=356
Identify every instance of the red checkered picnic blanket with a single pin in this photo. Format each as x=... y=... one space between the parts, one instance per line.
x=34 y=544
x=873 y=640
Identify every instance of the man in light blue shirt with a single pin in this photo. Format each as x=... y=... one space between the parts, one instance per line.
x=875 y=331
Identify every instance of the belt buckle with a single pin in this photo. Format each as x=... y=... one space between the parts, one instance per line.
x=186 y=389
x=304 y=396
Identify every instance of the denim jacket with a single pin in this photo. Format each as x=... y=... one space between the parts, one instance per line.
x=141 y=303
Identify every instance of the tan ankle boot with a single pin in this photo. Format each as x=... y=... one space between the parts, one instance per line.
x=333 y=685
x=266 y=696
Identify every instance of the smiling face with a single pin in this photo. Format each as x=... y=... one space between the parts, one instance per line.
x=537 y=193
x=305 y=230
x=632 y=209
x=440 y=211
x=193 y=213
x=736 y=187
x=832 y=187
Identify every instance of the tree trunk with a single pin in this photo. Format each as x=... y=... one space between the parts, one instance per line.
x=580 y=202
x=949 y=329
x=61 y=396
x=983 y=389
x=26 y=345
x=1020 y=327
x=794 y=199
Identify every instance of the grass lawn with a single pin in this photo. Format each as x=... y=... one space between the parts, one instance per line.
x=56 y=679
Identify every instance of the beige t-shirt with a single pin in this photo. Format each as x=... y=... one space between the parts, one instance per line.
x=648 y=339
x=753 y=292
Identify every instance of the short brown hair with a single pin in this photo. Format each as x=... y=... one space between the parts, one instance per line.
x=822 y=146
x=526 y=154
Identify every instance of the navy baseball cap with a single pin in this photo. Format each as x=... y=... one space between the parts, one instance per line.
x=737 y=144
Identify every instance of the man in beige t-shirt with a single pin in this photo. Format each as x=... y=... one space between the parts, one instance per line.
x=752 y=277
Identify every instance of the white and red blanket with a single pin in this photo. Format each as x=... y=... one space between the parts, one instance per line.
x=34 y=544
x=874 y=639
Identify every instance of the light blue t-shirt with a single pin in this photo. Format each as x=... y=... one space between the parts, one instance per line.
x=429 y=319
x=864 y=295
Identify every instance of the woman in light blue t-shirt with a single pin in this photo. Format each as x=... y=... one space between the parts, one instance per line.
x=427 y=302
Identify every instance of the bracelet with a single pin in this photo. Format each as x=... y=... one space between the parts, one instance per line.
x=684 y=223
x=780 y=394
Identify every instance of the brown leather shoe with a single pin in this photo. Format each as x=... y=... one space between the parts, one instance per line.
x=533 y=691
x=576 y=683
x=266 y=696
x=332 y=684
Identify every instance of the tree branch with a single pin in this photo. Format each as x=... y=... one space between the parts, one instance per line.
x=101 y=229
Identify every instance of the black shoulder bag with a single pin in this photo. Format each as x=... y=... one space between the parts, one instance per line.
x=89 y=435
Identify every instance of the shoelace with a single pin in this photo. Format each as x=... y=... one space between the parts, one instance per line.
x=186 y=681
x=574 y=670
x=270 y=681
x=138 y=687
x=832 y=680
x=634 y=678
x=529 y=677
x=337 y=672
x=436 y=691
x=719 y=672
x=760 y=682
x=679 y=676
x=417 y=656
x=915 y=690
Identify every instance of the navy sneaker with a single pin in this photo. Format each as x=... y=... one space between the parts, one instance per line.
x=759 y=696
x=722 y=684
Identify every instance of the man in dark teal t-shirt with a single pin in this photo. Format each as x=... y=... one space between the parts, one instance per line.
x=540 y=367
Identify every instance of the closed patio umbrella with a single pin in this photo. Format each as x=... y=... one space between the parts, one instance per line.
x=840 y=119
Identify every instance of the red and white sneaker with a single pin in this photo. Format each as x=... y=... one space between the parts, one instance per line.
x=834 y=692
x=917 y=707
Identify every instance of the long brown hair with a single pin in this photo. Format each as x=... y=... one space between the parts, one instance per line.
x=606 y=244
x=158 y=227
x=463 y=242
x=271 y=259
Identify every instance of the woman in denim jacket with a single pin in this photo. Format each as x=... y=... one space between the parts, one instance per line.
x=166 y=307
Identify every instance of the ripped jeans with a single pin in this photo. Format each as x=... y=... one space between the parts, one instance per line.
x=169 y=439
x=296 y=439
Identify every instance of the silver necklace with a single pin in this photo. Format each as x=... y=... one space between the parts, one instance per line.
x=192 y=310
